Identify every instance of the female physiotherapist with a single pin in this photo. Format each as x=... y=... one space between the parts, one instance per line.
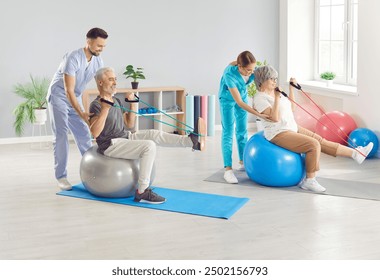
x=233 y=101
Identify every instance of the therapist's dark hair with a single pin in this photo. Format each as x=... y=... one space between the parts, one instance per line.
x=96 y=32
x=245 y=58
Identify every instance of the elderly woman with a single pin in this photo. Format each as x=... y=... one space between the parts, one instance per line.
x=283 y=130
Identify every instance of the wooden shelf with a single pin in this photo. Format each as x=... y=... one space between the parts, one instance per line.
x=158 y=95
x=158 y=114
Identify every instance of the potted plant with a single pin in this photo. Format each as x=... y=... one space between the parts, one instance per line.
x=328 y=76
x=32 y=109
x=137 y=74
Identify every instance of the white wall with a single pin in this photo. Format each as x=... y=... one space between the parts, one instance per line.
x=366 y=106
x=296 y=39
x=185 y=43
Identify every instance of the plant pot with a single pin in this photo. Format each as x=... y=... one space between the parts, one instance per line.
x=41 y=116
x=135 y=85
x=329 y=83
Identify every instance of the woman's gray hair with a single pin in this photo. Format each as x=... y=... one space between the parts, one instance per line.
x=99 y=74
x=264 y=73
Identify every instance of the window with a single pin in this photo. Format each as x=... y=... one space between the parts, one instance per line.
x=336 y=40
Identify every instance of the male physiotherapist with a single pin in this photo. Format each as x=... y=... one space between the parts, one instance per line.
x=65 y=100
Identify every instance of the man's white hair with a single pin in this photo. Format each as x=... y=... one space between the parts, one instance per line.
x=99 y=74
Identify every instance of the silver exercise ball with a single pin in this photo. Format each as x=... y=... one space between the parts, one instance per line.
x=109 y=177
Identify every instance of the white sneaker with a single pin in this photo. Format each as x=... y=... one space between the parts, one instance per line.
x=358 y=157
x=229 y=176
x=241 y=167
x=311 y=184
x=64 y=185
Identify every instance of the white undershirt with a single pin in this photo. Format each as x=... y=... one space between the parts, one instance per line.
x=245 y=78
x=286 y=122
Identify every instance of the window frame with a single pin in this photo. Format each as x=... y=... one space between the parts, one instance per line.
x=348 y=42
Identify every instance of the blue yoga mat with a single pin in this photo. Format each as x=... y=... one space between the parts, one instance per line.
x=203 y=204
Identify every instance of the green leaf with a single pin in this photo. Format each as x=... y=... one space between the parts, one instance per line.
x=34 y=94
x=328 y=75
x=20 y=113
x=137 y=74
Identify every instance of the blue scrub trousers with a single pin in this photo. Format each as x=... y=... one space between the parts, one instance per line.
x=63 y=118
x=232 y=113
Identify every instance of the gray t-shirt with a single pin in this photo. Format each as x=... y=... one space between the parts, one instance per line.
x=114 y=126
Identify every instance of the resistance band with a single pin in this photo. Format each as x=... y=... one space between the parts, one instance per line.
x=149 y=117
x=297 y=86
x=286 y=95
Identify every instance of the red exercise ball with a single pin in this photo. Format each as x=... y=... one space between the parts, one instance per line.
x=336 y=126
x=306 y=120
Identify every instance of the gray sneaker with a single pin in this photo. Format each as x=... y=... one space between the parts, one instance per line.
x=148 y=196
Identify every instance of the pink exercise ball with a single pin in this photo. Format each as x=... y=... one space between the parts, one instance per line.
x=336 y=126
x=306 y=120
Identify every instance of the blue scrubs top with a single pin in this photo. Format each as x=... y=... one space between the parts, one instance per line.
x=232 y=79
x=74 y=64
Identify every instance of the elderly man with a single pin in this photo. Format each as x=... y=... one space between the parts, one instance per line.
x=113 y=130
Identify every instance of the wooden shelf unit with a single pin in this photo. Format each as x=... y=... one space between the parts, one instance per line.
x=158 y=96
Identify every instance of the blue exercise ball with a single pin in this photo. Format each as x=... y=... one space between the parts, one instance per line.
x=362 y=137
x=270 y=165
x=109 y=177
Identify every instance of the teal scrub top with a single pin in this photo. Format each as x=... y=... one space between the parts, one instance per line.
x=232 y=79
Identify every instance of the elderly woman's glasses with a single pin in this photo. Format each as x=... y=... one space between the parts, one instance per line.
x=274 y=79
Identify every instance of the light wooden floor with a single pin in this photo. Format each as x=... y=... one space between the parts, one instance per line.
x=36 y=223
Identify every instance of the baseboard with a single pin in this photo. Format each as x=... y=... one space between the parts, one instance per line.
x=49 y=138
x=31 y=139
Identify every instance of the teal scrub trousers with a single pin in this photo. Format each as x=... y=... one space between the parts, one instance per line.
x=233 y=117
